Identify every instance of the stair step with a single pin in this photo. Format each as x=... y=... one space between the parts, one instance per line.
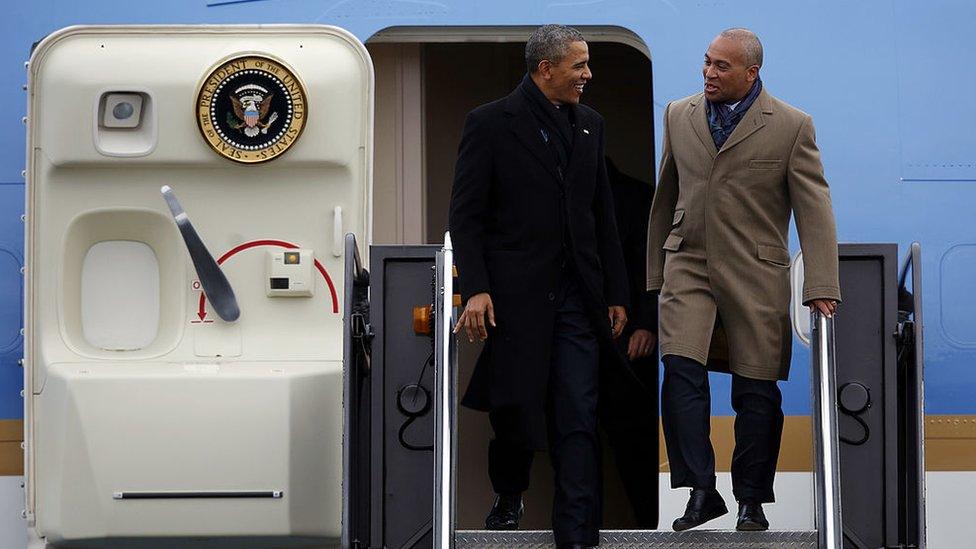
x=644 y=539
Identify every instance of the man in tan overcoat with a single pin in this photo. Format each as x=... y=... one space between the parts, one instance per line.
x=736 y=162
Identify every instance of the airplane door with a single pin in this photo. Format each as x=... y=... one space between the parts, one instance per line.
x=188 y=192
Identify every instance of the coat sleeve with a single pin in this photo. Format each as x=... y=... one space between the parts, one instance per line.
x=611 y=255
x=662 y=212
x=810 y=200
x=469 y=206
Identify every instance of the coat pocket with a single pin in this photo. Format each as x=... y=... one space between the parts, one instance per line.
x=777 y=255
x=673 y=242
x=678 y=216
x=765 y=164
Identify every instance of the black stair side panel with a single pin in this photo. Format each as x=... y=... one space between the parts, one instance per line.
x=860 y=356
x=865 y=329
x=402 y=477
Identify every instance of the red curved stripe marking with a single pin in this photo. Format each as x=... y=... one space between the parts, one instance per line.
x=280 y=244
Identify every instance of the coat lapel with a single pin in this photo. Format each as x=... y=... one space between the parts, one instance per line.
x=752 y=122
x=523 y=125
x=699 y=121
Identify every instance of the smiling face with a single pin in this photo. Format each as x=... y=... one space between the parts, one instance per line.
x=563 y=81
x=728 y=76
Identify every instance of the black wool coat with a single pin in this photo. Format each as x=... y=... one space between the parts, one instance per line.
x=511 y=207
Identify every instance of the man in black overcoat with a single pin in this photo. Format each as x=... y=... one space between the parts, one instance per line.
x=542 y=275
x=627 y=410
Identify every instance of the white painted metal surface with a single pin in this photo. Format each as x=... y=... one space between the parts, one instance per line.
x=120 y=295
x=799 y=314
x=445 y=418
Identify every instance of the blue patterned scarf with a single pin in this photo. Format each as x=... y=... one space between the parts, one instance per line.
x=722 y=120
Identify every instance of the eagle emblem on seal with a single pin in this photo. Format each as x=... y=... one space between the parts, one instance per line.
x=251 y=109
x=251 y=105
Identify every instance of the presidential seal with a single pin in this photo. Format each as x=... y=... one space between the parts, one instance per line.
x=251 y=109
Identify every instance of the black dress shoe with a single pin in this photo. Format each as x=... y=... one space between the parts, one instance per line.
x=751 y=518
x=505 y=513
x=703 y=506
x=572 y=546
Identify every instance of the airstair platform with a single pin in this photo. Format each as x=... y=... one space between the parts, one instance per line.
x=644 y=539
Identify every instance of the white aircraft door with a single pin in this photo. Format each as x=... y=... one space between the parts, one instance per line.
x=168 y=396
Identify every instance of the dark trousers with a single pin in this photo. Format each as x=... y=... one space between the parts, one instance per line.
x=571 y=414
x=628 y=415
x=686 y=411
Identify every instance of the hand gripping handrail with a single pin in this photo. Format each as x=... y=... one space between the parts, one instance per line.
x=827 y=500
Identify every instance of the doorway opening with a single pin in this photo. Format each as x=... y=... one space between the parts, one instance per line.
x=426 y=81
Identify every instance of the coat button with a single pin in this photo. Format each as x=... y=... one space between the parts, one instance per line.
x=551 y=296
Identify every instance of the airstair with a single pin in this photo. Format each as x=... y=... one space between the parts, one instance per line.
x=880 y=349
x=828 y=532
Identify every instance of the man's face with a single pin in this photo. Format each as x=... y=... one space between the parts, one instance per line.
x=727 y=76
x=564 y=81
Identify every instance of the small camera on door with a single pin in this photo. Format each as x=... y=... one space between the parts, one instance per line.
x=121 y=110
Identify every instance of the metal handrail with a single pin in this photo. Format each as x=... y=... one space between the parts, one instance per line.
x=796 y=303
x=914 y=253
x=351 y=445
x=445 y=389
x=913 y=261
x=827 y=501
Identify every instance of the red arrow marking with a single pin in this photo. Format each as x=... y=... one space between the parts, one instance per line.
x=202 y=311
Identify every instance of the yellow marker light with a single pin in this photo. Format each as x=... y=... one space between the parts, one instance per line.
x=292 y=258
x=423 y=322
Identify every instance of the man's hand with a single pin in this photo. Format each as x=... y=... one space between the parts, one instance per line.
x=473 y=317
x=618 y=319
x=826 y=306
x=641 y=343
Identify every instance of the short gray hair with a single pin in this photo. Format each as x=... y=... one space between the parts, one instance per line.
x=550 y=42
x=750 y=43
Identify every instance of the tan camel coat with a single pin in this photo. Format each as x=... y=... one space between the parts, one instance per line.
x=717 y=247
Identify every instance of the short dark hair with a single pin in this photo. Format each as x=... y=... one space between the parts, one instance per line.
x=750 y=43
x=549 y=42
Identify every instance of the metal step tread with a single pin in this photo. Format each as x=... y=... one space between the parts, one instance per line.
x=645 y=539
